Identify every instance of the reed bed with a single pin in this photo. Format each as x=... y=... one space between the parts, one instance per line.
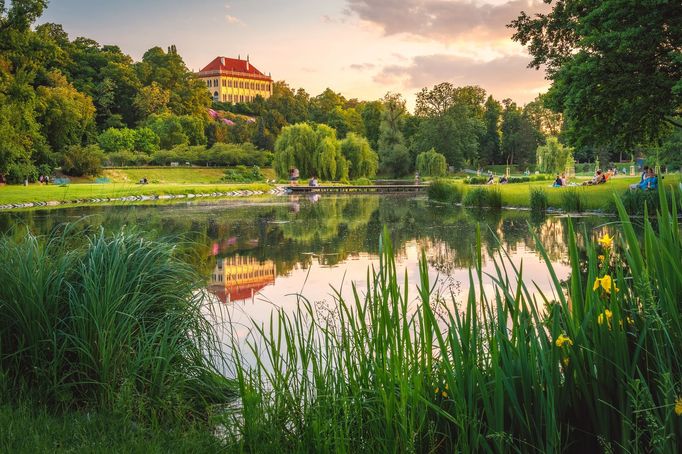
x=105 y=322
x=593 y=367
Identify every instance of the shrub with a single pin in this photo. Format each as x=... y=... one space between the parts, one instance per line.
x=78 y=161
x=477 y=197
x=494 y=197
x=445 y=191
x=127 y=158
x=243 y=174
x=538 y=200
x=476 y=180
x=18 y=172
x=572 y=200
x=362 y=182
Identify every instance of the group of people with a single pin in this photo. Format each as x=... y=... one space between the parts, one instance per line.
x=504 y=179
x=648 y=180
x=600 y=177
x=44 y=179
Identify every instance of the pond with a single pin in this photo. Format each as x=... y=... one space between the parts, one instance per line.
x=260 y=255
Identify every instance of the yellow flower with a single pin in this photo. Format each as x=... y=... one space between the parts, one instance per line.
x=606 y=283
x=446 y=386
x=606 y=240
x=607 y=314
x=601 y=258
x=631 y=322
x=436 y=390
x=678 y=406
x=566 y=361
x=561 y=340
x=444 y=394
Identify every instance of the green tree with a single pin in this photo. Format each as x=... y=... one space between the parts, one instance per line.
x=146 y=140
x=78 y=160
x=490 y=141
x=553 y=157
x=431 y=163
x=615 y=66
x=168 y=128
x=519 y=139
x=313 y=149
x=152 y=99
x=371 y=119
x=113 y=140
x=362 y=161
x=394 y=159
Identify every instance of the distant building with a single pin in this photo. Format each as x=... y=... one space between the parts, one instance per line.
x=235 y=80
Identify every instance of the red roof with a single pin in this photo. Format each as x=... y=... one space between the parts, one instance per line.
x=232 y=65
x=234 y=293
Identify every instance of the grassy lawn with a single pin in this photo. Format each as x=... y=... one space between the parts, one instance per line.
x=183 y=175
x=595 y=197
x=39 y=193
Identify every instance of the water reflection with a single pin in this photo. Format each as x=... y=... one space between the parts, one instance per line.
x=282 y=245
x=239 y=278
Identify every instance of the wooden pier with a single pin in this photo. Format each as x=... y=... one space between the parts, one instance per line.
x=370 y=189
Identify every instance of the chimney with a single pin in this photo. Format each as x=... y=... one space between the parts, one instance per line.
x=247 y=64
x=222 y=61
x=247 y=57
x=239 y=56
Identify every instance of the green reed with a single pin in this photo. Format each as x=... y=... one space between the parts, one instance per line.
x=507 y=371
x=109 y=322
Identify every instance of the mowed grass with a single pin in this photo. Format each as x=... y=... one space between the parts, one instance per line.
x=595 y=197
x=183 y=175
x=11 y=194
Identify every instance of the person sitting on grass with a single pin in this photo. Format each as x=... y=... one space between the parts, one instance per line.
x=559 y=182
x=504 y=179
x=313 y=182
x=650 y=182
x=599 y=178
x=491 y=178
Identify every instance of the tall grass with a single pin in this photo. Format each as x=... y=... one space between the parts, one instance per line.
x=445 y=191
x=112 y=324
x=538 y=200
x=481 y=197
x=505 y=371
x=573 y=200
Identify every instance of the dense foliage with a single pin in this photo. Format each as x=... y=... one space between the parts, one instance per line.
x=615 y=66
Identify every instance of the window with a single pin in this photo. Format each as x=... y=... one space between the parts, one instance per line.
x=215 y=96
x=224 y=98
x=230 y=98
x=215 y=82
x=229 y=83
x=241 y=98
x=224 y=83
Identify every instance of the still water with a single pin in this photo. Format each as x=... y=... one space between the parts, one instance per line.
x=261 y=255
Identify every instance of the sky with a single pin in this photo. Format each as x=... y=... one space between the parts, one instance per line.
x=360 y=48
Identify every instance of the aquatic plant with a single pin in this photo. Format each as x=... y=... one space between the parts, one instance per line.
x=110 y=322
x=595 y=366
x=445 y=191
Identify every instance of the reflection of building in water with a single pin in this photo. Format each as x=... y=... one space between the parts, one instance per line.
x=238 y=278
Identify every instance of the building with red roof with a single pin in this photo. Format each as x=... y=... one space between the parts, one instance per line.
x=235 y=80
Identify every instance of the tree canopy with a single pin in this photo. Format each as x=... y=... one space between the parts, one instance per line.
x=615 y=66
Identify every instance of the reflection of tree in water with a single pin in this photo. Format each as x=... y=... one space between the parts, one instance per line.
x=333 y=229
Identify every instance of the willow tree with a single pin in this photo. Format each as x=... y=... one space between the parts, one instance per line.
x=362 y=160
x=312 y=149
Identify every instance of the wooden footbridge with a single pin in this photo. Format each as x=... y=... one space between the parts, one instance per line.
x=369 y=189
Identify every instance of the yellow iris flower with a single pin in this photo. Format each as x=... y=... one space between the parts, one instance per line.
x=606 y=240
x=678 y=406
x=561 y=340
x=606 y=283
x=608 y=315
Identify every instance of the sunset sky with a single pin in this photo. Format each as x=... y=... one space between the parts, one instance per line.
x=361 y=48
